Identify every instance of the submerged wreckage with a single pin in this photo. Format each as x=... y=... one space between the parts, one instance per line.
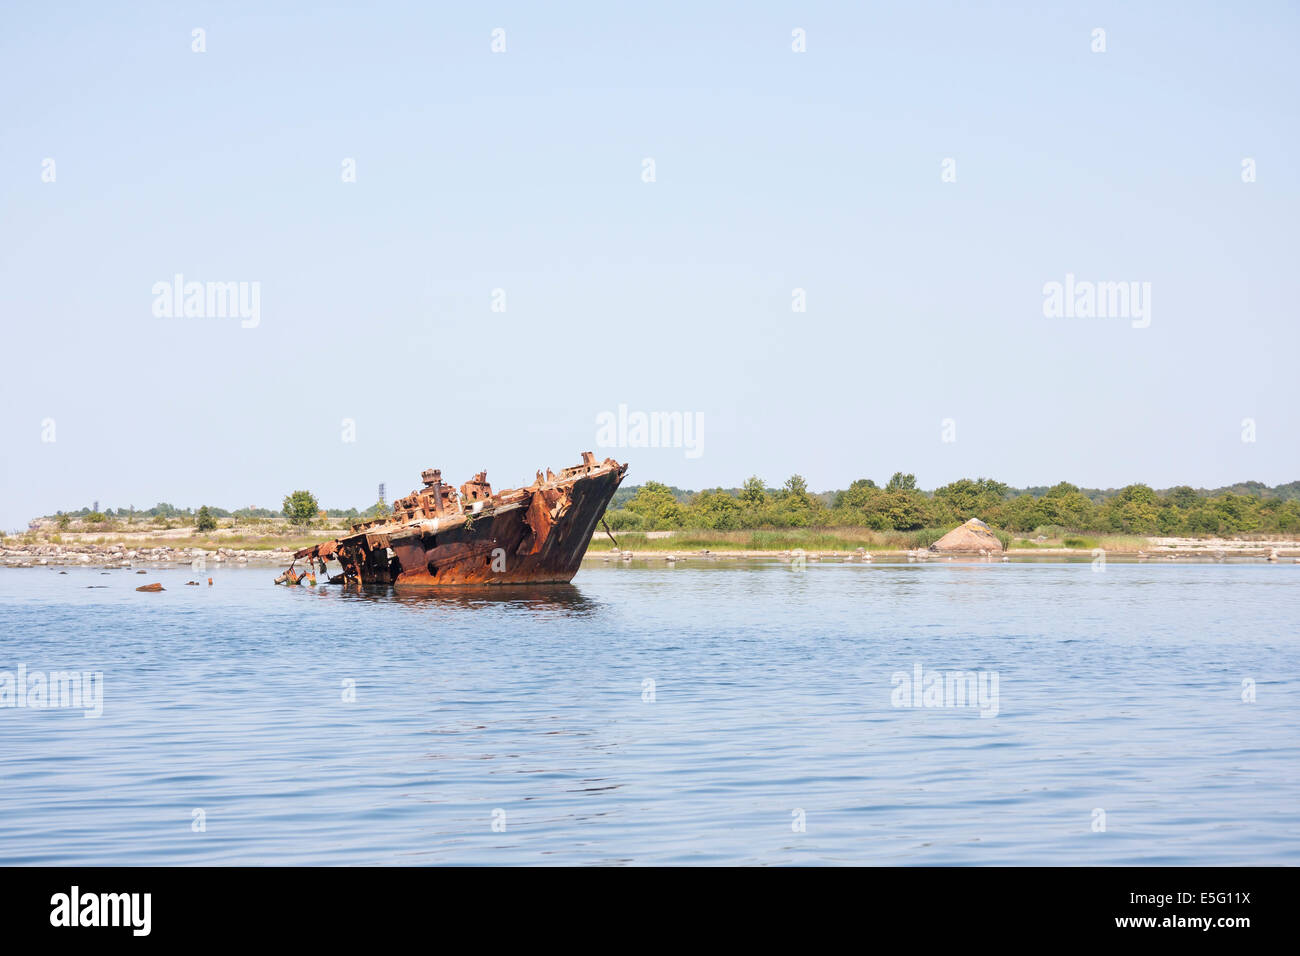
x=436 y=537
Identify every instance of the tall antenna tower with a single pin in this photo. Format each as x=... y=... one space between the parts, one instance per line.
x=383 y=500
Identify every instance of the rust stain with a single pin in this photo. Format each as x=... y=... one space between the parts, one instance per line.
x=437 y=537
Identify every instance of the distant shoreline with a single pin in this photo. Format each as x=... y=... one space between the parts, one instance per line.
x=157 y=549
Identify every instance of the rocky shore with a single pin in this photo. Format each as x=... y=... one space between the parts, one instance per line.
x=123 y=556
x=16 y=555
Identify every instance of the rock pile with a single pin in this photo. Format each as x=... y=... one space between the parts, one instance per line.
x=971 y=538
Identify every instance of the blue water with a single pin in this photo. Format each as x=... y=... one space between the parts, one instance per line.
x=1118 y=691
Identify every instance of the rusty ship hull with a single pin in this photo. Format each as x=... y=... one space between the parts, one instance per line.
x=436 y=537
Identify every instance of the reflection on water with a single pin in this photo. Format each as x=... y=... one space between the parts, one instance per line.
x=655 y=714
x=566 y=599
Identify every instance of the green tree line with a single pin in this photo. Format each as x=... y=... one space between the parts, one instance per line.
x=1251 y=508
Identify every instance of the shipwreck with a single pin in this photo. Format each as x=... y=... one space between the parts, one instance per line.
x=436 y=537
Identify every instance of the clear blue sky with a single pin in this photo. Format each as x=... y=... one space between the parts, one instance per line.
x=522 y=171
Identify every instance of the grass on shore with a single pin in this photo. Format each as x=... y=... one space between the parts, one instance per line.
x=235 y=542
x=238 y=542
x=810 y=539
x=1079 y=542
x=841 y=539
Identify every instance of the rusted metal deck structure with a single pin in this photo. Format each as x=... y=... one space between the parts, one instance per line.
x=436 y=537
